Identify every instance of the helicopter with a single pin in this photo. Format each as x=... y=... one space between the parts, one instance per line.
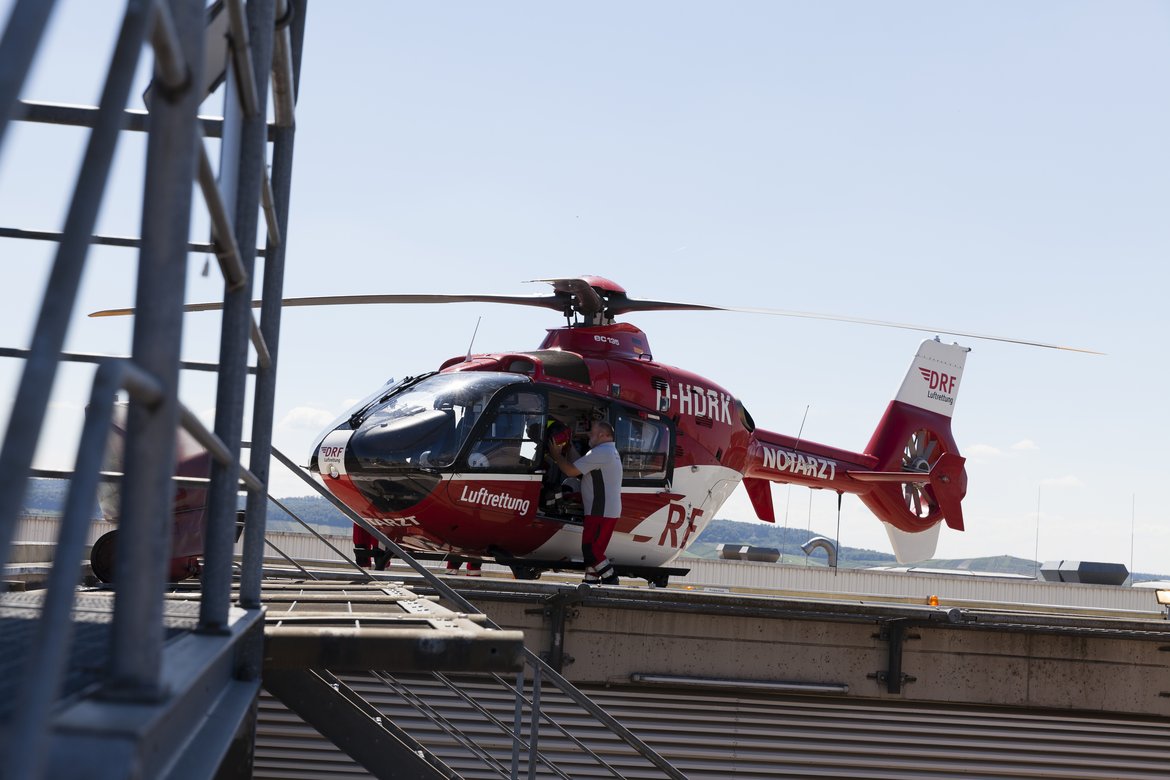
x=455 y=464
x=452 y=463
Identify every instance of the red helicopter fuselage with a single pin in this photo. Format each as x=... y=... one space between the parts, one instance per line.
x=455 y=462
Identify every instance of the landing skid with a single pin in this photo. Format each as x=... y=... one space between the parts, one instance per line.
x=526 y=569
x=658 y=576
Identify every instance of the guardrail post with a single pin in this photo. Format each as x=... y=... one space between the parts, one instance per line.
x=256 y=513
x=534 y=727
x=243 y=167
x=517 y=718
x=143 y=546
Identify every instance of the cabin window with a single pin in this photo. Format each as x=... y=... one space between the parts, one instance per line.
x=644 y=444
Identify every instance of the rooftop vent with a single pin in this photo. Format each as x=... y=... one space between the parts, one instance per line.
x=1085 y=572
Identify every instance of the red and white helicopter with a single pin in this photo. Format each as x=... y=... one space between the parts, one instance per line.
x=452 y=462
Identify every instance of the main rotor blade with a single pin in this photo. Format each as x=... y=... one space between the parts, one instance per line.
x=624 y=305
x=555 y=302
x=576 y=294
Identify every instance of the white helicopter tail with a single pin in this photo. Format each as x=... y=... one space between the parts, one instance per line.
x=914 y=437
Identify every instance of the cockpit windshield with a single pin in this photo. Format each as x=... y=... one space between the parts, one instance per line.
x=425 y=425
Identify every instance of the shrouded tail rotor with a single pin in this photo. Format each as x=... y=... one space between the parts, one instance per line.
x=919 y=455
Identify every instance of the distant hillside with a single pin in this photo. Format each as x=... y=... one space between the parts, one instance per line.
x=314 y=510
x=48 y=495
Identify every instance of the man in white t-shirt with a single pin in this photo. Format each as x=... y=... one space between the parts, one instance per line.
x=600 y=471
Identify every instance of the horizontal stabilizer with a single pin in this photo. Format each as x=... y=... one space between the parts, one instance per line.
x=945 y=479
x=888 y=476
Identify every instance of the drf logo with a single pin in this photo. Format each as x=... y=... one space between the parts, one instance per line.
x=944 y=383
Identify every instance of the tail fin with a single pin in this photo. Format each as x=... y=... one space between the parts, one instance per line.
x=914 y=436
x=932 y=383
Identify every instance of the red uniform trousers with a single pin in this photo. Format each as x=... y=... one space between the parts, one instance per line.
x=595 y=537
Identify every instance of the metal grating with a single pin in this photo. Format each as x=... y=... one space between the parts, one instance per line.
x=93 y=613
x=318 y=625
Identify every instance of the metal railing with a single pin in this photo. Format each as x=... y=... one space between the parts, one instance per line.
x=175 y=157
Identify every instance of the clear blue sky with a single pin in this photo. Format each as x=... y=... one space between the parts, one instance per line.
x=997 y=167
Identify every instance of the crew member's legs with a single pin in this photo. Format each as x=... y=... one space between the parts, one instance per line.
x=589 y=535
x=594 y=540
x=365 y=546
x=473 y=567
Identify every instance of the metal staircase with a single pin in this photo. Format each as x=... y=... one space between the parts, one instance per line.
x=541 y=676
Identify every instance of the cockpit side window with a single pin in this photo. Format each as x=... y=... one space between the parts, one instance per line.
x=504 y=441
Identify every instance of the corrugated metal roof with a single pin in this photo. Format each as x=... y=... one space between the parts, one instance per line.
x=711 y=735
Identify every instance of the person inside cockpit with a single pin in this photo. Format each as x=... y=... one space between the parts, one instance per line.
x=555 y=436
x=503 y=445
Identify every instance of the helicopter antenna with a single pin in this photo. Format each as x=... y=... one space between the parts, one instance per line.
x=802 y=422
x=469 y=346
